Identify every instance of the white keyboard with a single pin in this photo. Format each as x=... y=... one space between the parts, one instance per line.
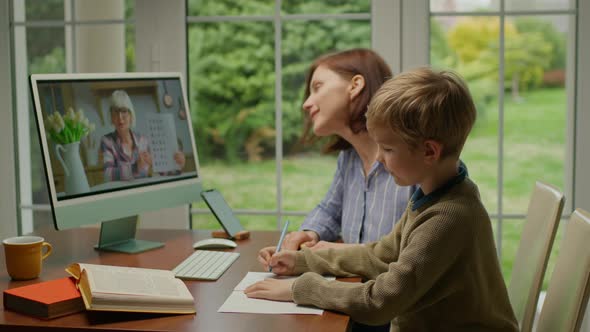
x=205 y=265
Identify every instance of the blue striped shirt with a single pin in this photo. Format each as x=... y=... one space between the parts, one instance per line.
x=357 y=208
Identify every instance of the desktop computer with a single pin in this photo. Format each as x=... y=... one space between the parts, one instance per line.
x=114 y=146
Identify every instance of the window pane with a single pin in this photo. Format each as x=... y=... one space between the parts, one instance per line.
x=307 y=174
x=44 y=10
x=231 y=80
x=469 y=46
x=42 y=219
x=230 y=7
x=306 y=180
x=45 y=49
x=40 y=192
x=129 y=9
x=511 y=231
x=535 y=106
x=250 y=222
x=45 y=54
x=130 y=48
x=554 y=252
x=325 y=7
x=529 y=5
x=464 y=5
x=254 y=223
x=295 y=221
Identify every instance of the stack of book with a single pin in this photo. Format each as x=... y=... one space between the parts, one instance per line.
x=103 y=288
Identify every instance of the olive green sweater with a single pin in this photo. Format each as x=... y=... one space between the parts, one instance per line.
x=436 y=271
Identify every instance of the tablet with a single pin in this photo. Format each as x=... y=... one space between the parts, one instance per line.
x=222 y=212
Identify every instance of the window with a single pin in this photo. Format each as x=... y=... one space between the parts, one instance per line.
x=247 y=66
x=517 y=58
x=58 y=36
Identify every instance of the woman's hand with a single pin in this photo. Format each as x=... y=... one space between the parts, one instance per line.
x=179 y=159
x=295 y=240
x=271 y=289
x=145 y=160
x=282 y=263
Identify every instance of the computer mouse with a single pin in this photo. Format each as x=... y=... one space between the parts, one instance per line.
x=214 y=243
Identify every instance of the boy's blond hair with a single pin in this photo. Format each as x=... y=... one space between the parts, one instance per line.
x=424 y=104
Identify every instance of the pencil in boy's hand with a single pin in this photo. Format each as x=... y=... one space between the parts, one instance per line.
x=280 y=240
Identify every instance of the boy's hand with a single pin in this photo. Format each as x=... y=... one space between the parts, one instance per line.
x=295 y=240
x=271 y=289
x=282 y=263
x=325 y=245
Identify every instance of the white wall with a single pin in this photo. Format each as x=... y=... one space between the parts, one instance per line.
x=399 y=32
x=582 y=121
x=160 y=36
x=100 y=48
x=8 y=201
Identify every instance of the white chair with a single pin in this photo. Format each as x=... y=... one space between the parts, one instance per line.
x=530 y=263
x=569 y=287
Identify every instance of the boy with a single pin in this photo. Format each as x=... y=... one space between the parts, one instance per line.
x=438 y=269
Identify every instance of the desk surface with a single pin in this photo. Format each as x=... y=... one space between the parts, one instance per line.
x=76 y=245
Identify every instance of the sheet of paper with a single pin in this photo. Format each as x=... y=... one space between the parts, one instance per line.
x=239 y=302
x=163 y=144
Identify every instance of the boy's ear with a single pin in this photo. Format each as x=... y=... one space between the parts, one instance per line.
x=432 y=151
x=357 y=83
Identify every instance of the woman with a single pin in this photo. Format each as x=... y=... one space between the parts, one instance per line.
x=126 y=153
x=363 y=202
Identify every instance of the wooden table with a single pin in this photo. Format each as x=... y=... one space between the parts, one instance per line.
x=76 y=245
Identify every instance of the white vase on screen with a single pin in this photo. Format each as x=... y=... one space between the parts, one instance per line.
x=75 y=175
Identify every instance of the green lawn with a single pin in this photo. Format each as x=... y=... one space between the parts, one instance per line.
x=534 y=149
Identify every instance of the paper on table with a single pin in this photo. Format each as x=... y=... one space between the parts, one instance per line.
x=239 y=302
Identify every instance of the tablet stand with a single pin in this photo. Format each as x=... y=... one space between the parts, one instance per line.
x=241 y=235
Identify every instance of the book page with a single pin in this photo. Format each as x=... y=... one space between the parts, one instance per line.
x=239 y=302
x=119 y=280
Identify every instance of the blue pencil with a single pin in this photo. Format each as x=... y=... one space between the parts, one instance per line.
x=281 y=240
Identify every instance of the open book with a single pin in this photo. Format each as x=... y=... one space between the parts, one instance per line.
x=118 y=288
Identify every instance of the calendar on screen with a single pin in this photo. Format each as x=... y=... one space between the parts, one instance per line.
x=163 y=143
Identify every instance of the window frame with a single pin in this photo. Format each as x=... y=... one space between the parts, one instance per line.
x=18 y=30
x=573 y=135
x=396 y=25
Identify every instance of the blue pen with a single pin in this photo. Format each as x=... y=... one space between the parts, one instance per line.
x=281 y=240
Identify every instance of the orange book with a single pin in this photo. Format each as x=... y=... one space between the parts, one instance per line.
x=48 y=299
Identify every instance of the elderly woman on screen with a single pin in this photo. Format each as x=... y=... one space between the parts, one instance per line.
x=126 y=153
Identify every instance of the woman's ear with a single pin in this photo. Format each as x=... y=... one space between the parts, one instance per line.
x=357 y=83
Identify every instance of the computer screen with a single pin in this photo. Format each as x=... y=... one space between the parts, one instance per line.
x=114 y=146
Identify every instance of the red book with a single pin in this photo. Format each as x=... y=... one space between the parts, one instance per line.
x=48 y=299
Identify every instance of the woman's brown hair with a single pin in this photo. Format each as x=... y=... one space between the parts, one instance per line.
x=347 y=64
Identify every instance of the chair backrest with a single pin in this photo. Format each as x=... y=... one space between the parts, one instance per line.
x=528 y=270
x=569 y=287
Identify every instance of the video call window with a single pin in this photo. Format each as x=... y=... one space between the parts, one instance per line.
x=108 y=135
